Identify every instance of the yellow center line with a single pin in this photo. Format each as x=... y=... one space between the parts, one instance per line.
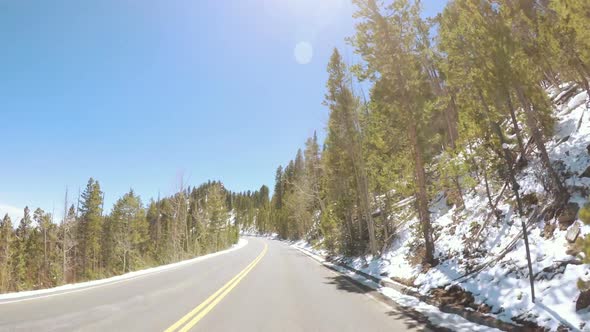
x=202 y=309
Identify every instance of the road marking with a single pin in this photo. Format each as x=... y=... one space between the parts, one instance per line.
x=89 y=285
x=204 y=308
x=350 y=280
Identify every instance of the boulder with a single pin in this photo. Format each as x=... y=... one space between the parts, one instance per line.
x=583 y=301
x=586 y=173
x=588 y=148
x=549 y=229
x=572 y=233
x=484 y=308
x=568 y=216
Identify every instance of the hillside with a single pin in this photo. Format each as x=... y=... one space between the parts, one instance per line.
x=486 y=258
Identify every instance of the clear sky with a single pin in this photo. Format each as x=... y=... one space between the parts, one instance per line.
x=136 y=92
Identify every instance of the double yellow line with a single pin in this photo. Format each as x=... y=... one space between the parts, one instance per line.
x=203 y=309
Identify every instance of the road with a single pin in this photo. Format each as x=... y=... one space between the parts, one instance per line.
x=265 y=286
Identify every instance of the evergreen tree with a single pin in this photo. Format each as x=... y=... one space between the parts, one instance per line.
x=7 y=247
x=346 y=183
x=393 y=43
x=20 y=258
x=218 y=218
x=129 y=232
x=90 y=230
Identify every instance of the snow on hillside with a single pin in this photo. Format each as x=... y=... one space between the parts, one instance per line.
x=503 y=286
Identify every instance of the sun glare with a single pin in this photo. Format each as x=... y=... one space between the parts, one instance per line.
x=303 y=53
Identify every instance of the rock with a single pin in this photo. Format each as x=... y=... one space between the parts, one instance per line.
x=583 y=300
x=548 y=230
x=484 y=308
x=572 y=233
x=576 y=248
x=586 y=173
x=568 y=216
x=588 y=148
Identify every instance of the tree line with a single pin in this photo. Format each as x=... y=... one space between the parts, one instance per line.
x=88 y=244
x=454 y=101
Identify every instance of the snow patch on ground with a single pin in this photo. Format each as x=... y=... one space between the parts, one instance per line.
x=124 y=277
x=504 y=285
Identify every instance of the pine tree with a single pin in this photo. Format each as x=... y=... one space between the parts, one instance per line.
x=392 y=42
x=129 y=232
x=7 y=246
x=263 y=211
x=90 y=230
x=218 y=217
x=346 y=185
x=46 y=241
x=521 y=38
x=20 y=255
x=277 y=203
x=196 y=222
x=571 y=38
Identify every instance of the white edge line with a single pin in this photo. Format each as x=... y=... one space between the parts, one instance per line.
x=369 y=283
x=74 y=288
x=321 y=261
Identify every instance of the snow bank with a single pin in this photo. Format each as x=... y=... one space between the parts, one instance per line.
x=504 y=286
x=26 y=295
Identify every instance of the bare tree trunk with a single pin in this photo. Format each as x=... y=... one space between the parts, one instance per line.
x=355 y=150
x=515 y=188
x=64 y=239
x=457 y=183
x=515 y=126
x=365 y=206
x=45 y=261
x=558 y=188
x=421 y=195
x=583 y=72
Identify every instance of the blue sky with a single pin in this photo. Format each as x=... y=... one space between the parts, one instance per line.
x=136 y=92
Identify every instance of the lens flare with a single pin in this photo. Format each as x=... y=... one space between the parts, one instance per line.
x=303 y=53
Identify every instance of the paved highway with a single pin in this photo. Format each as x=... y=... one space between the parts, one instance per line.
x=265 y=286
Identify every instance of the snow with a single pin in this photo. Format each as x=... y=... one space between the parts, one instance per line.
x=504 y=285
x=69 y=288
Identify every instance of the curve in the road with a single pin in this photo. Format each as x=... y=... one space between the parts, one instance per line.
x=203 y=309
x=84 y=286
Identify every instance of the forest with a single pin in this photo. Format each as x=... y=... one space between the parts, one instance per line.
x=90 y=244
x=455 y=101
x=457 y=104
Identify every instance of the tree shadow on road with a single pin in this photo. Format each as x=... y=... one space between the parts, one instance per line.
x=343 y=283
x=412 y=319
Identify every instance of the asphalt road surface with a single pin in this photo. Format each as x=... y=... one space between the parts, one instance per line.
x=264 y=286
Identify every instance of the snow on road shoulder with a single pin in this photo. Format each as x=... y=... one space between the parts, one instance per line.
x=8 y=297
x=434 y=315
